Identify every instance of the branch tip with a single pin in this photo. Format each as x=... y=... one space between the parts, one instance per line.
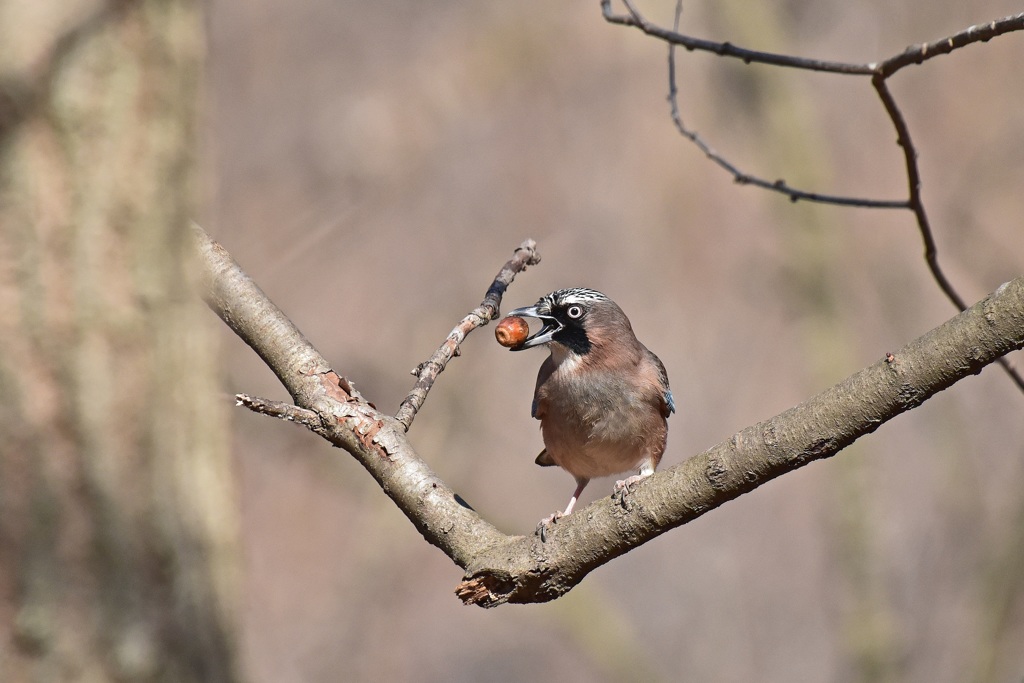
x=426 y=373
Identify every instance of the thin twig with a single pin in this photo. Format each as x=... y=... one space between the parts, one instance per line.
x=634 y=19
x=427 y=371
x=916 y=204
x=916 y=54
x=279 y=409
x=914 y=187
x=879 y=73
x=743 y=178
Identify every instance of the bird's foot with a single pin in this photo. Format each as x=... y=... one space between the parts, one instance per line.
x=545 y=524
x=621 y=490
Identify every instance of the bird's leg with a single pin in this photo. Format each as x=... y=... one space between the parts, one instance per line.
x=542 y=527
x=580 y=485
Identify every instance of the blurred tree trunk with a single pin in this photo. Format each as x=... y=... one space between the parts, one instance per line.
x=117 y=512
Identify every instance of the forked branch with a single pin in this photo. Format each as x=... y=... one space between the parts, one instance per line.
x=879 y=72
x=500 y=568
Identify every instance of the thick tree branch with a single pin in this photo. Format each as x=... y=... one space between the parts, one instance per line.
x=346 y=419
x=501 y=568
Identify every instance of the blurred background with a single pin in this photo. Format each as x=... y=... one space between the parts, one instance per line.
x=371 y=165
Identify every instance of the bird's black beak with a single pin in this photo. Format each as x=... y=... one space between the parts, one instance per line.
x=551 y=326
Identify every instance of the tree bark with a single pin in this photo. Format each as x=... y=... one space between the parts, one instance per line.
x=118 y=537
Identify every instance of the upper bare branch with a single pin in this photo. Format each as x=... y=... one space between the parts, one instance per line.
x=879 y=73
x=743 y=178
x=917 y=54
x=633 y=18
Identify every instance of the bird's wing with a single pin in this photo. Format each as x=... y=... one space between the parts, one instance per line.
x=539 y=406
x=669 y=406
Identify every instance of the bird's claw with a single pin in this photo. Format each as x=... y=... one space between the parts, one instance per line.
x=544 y=524
x=621 y=490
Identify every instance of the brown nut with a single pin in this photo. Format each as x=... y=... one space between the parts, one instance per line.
x=512 y=331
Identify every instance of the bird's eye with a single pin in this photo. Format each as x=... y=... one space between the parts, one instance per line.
x=574 y=312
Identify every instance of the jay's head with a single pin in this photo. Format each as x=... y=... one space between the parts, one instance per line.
x=578 y=320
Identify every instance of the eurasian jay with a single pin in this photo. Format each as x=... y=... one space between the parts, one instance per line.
x=602 y=398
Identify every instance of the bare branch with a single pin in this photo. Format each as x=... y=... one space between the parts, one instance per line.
x=634 y=19
x=917 y=54
x=502 y=568
x=284 y=411
x=817 y=428
x=879 y=74
x=427 y=371
x=743 y=178
x=241 y=304
x=916 y=203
